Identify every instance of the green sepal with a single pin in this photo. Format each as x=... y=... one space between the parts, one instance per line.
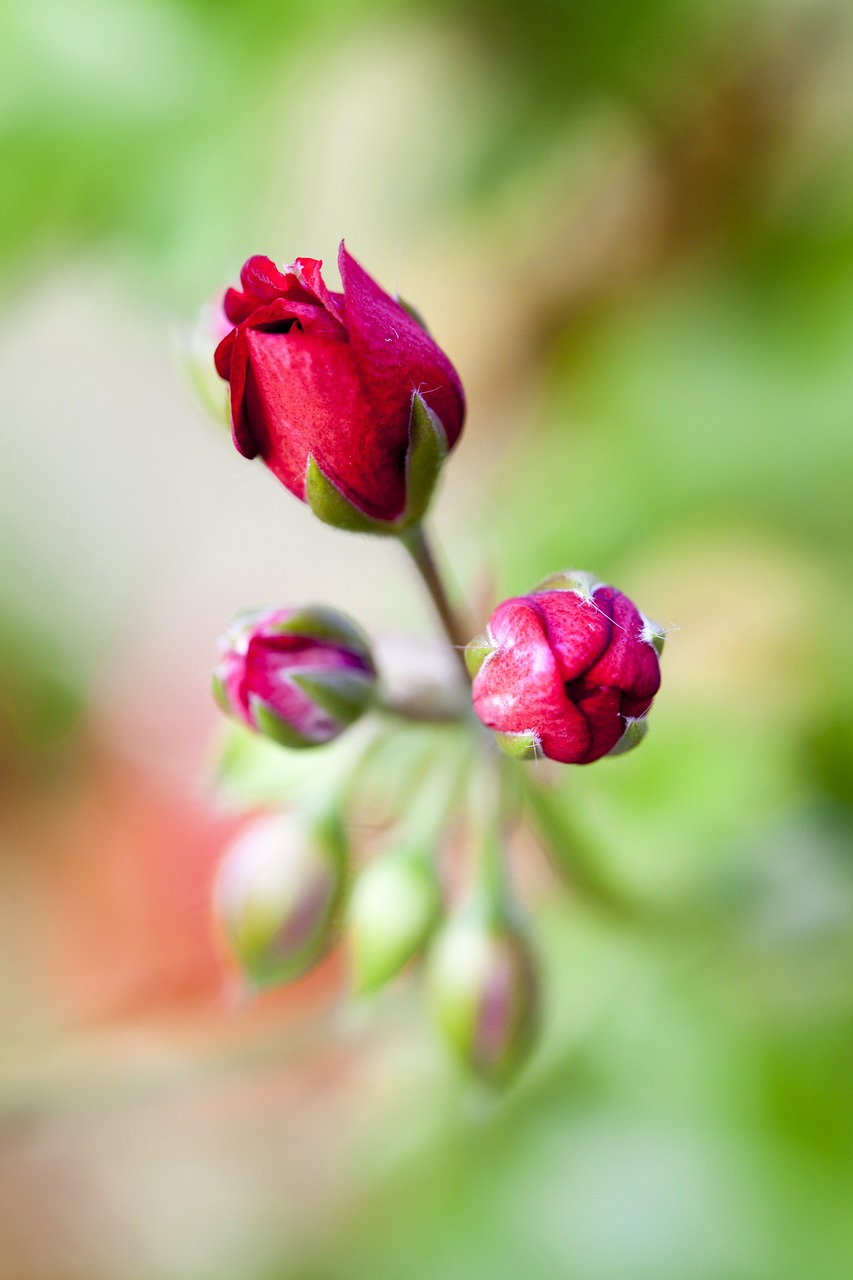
x=635 y=731
x=424 y=460
x=653 y=634
x=329 y=504
x=217 y=688
x=476 y=652
x=519 y=746
x=318 y=622
x=425 y=456
x=345 y=695
x=272 y=726
x=413 y=313
x=578 y=580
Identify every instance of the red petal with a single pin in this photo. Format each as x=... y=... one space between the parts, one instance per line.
x=600 y=709
x=305 y=398
x=395 y=357
x=630 y=663
x=520 y=689
x=578 y=630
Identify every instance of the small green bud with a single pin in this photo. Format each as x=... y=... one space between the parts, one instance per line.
x=484 y=991
x=277 y=896
x=395 y=905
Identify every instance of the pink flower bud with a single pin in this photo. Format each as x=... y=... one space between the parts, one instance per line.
x=323 y=388
x=484 y=990
x=277 y=896
x=566 y=671
x=300 y=676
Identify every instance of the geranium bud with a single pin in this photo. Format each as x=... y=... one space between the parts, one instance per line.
x=197 y=345
x=345 y=396
x=277 y=896
x=568 y=671
x=484 y=990
x=394 y=907
x=300 y=676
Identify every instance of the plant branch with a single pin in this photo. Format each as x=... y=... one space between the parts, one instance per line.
x=415 y=542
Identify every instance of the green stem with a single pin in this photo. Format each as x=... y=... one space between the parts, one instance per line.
x=416 y=543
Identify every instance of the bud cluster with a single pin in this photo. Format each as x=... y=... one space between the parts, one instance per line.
x=354 y=408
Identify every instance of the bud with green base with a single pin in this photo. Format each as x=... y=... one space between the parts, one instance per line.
x=278 y=895
x=298 y=676
x=483 y=979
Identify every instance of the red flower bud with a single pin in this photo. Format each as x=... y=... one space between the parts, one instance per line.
x=300 y=676
x=324 y=387
x=566 y=671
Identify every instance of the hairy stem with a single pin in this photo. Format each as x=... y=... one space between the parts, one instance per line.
x=415 y=542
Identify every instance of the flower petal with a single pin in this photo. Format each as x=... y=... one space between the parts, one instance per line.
x=395 y=357
x=304 y=397
x=578 y=630
x=630 y=663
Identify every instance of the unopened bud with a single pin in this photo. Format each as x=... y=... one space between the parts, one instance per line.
x=395 y=905
x=571 y=667
x=484 y=990
x=277 y=896
x=300 y=676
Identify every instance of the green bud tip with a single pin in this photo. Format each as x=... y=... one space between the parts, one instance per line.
x=394 y=908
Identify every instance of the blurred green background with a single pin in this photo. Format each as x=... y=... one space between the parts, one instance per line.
x=631 y=226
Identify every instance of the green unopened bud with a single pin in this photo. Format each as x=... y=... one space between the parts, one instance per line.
x=484 y=991
x=395 y=906
x=277 y=896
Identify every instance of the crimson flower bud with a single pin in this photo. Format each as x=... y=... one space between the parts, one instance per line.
x=566 y=671
x=344 y=396
x=300 y=676
x=277 y=896
x=484 y=991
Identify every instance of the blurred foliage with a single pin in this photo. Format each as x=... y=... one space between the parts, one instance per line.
x=681 y=334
